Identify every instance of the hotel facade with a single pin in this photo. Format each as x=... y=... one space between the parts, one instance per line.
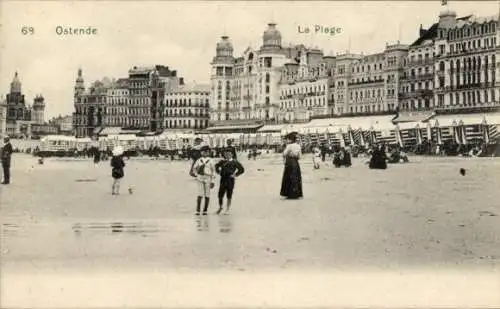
x=187 y=108
x=294 y=83
x=452 y=64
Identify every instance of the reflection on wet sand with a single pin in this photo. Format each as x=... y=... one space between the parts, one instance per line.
x=10 y=229
x=117 y=227
x=225 y=223
x=202 y=224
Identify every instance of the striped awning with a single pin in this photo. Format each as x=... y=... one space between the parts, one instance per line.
x=411 y=125
x=413 y=117
x=467 y=119
x=365 y=123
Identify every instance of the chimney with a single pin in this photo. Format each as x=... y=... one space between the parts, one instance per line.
x=422 y=31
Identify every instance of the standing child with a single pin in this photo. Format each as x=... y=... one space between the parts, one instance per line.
x=228 y=169
x=204 y=171
x=316 y=157
x=117 y=172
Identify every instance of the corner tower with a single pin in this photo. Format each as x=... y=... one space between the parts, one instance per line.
x=39 y=110
x=222 y=76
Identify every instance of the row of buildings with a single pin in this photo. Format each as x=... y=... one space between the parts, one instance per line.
x=454 y=64
x=149 y=99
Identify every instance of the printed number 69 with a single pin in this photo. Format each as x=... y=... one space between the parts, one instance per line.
x=27 y=30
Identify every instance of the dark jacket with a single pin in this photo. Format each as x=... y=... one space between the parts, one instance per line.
x=226 y=168
x=117 y=164
x=6 y=154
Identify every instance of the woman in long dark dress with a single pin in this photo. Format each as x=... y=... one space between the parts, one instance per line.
x=291 y=185
x=379 y=158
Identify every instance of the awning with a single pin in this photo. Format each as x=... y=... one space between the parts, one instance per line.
x=293 y=127
x=413 y=117
x=445 y=120
x=123 y=137
x=58 y=138
x=234 y=127
x=365 y=123
x=124 y=131
x=411 y=125
x=97 y=130
x=272 y=128
x=84 y=140
x=467 y=119
x=110 y=131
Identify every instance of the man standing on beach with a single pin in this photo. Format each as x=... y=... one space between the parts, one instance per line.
x=6 y=160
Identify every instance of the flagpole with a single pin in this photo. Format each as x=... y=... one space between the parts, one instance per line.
x=399 y=32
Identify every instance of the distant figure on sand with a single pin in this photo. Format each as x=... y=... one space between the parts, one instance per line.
x=291 y=184
x=117 y=165
x=316 y=157
x=6 y=155
x=379 y=158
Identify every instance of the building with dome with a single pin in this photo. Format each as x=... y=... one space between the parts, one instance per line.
x=247 y=87
x=281 y=84
x=20 y=117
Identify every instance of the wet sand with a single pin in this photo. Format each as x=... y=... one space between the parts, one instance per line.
x=60 y=219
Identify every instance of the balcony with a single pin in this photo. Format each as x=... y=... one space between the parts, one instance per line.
x=424 y=92
x=414 y=63
x=416 y=94
x=366 y=82
x=420 y=76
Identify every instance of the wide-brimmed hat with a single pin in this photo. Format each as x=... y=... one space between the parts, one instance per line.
x=292 y=136
x=205 y=148
x=198 y=139
x=118 y=151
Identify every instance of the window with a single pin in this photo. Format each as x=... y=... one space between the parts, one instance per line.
x=441 y=66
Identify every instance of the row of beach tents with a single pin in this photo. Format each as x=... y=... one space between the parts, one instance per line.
x=460 y=129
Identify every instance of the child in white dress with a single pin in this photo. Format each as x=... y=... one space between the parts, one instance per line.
x=316 y=157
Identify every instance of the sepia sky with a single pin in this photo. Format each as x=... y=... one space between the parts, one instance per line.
x=183 y=35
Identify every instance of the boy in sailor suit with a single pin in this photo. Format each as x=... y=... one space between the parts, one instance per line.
x=204 y=171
